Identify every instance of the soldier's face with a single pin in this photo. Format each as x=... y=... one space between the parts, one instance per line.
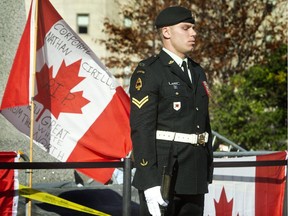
x=182 y=37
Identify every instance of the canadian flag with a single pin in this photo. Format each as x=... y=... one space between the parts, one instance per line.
x=247 y=191
x=81 y=112
x=9 y=185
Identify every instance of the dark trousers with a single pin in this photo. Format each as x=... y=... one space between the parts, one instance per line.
x=179 y=205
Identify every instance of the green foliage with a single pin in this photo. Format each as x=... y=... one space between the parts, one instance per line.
x=251 y=109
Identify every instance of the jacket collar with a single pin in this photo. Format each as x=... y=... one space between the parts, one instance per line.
x=168 y=61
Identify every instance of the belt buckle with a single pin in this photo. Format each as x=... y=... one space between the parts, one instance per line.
x=201 y=139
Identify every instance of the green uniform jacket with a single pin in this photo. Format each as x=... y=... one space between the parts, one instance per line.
x=163 y=98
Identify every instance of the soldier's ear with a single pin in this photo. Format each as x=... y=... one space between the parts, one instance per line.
x=166 y=32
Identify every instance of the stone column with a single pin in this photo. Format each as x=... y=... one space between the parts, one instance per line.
x=12 y=22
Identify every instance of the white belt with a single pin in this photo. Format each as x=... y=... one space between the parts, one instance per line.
x=195 y=139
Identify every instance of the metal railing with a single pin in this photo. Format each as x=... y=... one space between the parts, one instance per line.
x=127 y=166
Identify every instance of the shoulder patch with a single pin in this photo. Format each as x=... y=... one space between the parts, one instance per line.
x=138 y=84
x=137 y=79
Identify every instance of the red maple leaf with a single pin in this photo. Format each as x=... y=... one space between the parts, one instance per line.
x=223 y=207
x=55 y=93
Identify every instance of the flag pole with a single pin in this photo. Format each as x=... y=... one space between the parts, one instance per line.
x=32 y=79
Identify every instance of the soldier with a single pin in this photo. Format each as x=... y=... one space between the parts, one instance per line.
x=170 y=126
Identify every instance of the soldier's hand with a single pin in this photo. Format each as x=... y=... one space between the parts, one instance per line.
x=154 y=199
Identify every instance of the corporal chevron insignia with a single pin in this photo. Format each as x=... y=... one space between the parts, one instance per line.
x=140 y=103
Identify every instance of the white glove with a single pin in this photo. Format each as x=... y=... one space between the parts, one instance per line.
x=154 y=199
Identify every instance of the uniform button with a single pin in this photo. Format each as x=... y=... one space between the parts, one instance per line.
x=177 y=93
x=198 y=126
x=197 y=108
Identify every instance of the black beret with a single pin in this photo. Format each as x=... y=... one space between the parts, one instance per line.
x=172 y=16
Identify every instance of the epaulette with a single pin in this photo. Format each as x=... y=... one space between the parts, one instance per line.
x=148 y=61
x=194 y=63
